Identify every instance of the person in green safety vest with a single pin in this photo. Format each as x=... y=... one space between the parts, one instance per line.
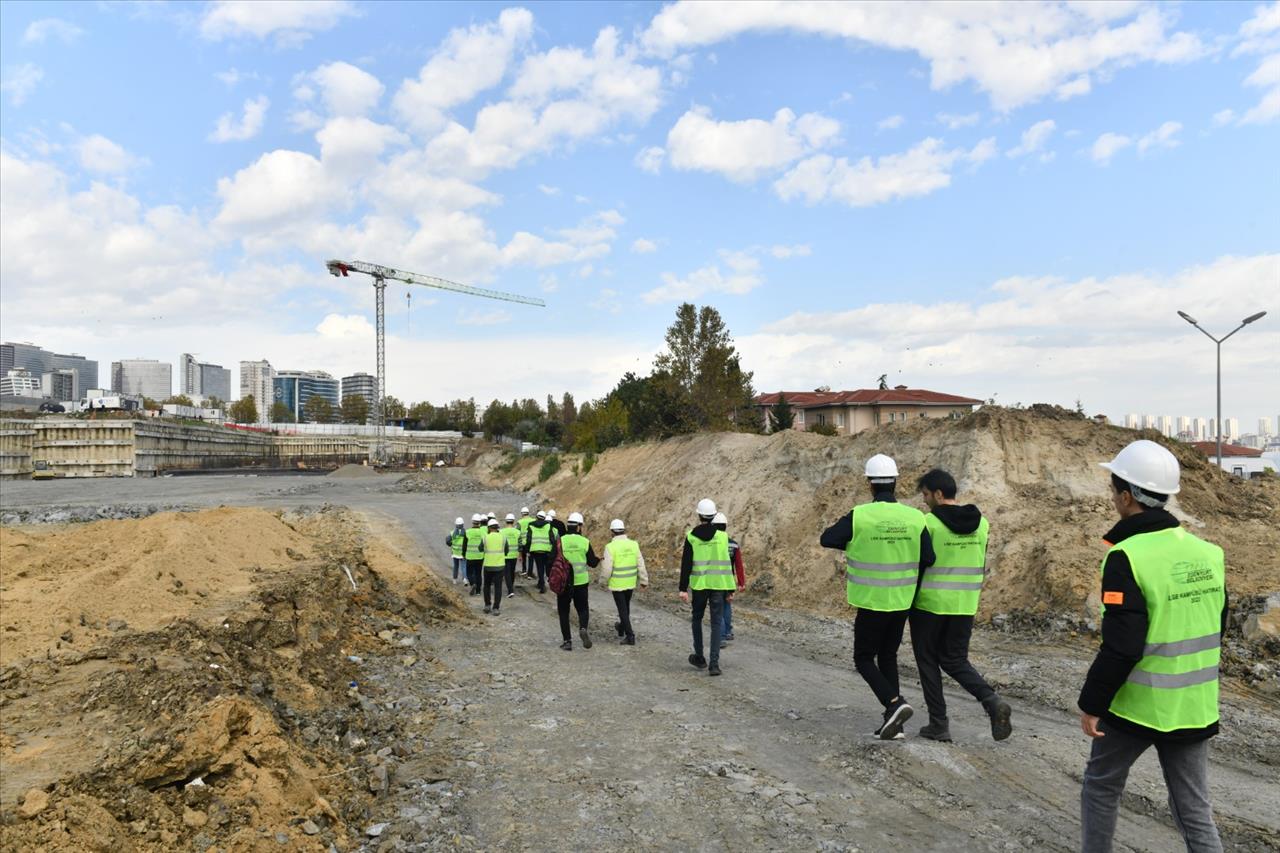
x=1154 y=681
x=577 y=551
x=886 y=545
x=946 y=601
x=540 y=541
x=512 y=534
x=495 y=564
x=706 y=578
x=621 y=569
x=523 y=523
x=473 y=552
x=454 y=540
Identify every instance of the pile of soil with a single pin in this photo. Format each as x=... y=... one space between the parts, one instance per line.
x=439 y=481
x=230 y=715
x=352 y=471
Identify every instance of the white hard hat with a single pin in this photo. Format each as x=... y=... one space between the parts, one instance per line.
x=551 y=513
x=493 y=522
x=477 y=517
x=1146 y=465
x=511 y=516
x=719 y=519
x=706 y=507
x=575 y=518
x=489 y=515
x=458 y=520
x=541 y=514
x=617 y=525
x=881 y=467
x=524 y=510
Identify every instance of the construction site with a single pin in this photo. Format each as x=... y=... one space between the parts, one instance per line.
x=252 y=662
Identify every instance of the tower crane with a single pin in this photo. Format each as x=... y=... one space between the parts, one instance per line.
x=381 y=275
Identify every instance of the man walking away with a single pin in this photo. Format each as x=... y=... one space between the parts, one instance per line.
x=577 y=551
x=473 y=552
x=1155 y=679
x=740 y=579
x=946 y=602
x=886 y=545
x=512 y=535
x=706 y=574
x=621 y=568
x=455 y=540
x=523 y=523
x=556 y=523
x=495 y=564
x=540 y=542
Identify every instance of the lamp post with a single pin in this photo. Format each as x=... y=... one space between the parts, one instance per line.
x=1218 y=341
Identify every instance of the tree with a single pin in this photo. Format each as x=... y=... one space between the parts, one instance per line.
x=422 y=412
x=703 y=362
x=354 y=410
x=568 y=411
x=281 y=413
x=317 y=410
x=212 y=402
x=150 y=405
x=393 y=409
x=553 y=411
x=180 y=400
x=783 y=415
x=244 y=410
x=499 y=419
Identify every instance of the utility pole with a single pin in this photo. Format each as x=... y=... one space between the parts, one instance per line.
x=1218 y=342
x=380 y=275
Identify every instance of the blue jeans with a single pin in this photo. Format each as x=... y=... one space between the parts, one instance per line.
x=459 y=567
x=728 y=620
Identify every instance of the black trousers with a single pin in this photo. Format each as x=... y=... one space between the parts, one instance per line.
x=541 y=562
x=877 y=634
x=511 y=576
x=524 y=562
x=576 y=595
x=703 y=600
x=941 y=644
x=475 y=568
x=493 y=581
x=622 y=600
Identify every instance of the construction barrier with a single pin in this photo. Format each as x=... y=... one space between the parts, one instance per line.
x=15 y=449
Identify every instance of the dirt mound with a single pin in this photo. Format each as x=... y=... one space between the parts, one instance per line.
x=1034 y=473
x=438 y=481
x=354 y=472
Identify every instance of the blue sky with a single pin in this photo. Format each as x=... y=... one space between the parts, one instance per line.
x=1002 y=201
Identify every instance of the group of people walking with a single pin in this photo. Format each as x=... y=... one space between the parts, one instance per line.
x=1154 y=681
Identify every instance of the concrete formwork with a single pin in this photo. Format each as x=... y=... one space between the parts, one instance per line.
x=70 y=448
x=160 y=446
x=15 y=449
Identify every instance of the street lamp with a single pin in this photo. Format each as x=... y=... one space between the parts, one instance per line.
x=1218 y=341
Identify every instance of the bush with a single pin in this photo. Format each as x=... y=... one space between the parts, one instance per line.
x=588 y=462
x=508 y=464
x=550 y=466
x=824 y=429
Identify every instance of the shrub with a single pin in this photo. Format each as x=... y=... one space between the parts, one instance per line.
x=824 y=429
x=588 y=462
x=550 y=466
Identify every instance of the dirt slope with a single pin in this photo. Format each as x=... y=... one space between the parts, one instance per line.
x=1033 y=472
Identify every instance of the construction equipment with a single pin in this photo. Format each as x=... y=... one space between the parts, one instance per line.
x=381 y=275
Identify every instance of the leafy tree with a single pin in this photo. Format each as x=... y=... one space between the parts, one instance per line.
x=150 y=405
x=393 y=409
x=180 y=400
x=784 y=417
x=702 y=361
x=824 y=429
x=422 y=412
x=354 y=409
x=553 y=411
x=244 y=410
x=212 y=402
x=281 y=413
x=317 y=410
x=499 y=419
x=568 y=411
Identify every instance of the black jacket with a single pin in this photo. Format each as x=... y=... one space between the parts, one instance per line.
x=958 y=519
x=706 y=532
x=1124 y=633
x=839 y=534
x=526 y=537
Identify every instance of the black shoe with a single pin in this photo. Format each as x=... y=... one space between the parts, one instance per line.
x=487 y=608
x=617 y=626
x=727 y=638
x=1000 y=712
x=496 y=611
x=698 y=660
x=567 y=646
x=627 y=641
x=586 y=638
x=542 y=589
x=940 y=732
x=714 y=669
x=894 y=717
x=511 y=595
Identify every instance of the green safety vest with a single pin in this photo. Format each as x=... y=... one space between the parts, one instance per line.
x=712 y=568
x=455 y=542
x=495 y=550
x=951 y=586
x=575 y=547
x=1183 y=579
x=475 y=544
x=540 y=539
x=882 y=560
x=512 y=535
x=626 y=563
x=523 y=523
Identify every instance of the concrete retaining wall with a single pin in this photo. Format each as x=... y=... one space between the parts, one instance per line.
x=15 y=449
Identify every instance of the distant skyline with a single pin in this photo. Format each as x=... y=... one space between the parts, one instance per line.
x=860 y=190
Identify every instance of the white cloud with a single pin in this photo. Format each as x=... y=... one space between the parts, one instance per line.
x=1260 y=35
x=742 y=151
x=1107 y=146
x=922 y=169
x=275 y=190
x=345 y=326
x=741 y=275
x=1074 y=88
x=1164 y=136
x=650 y=159
x=548 y=190
x=642 y=246
x=19 y=81
x=607 y=300
x=1033 y=139
x=229 y=129
x=955 y=122
x=483 y=317
x=234 y=76
x=38 y=32
x=353 y=145
x=891 y=123
x=800 y=250
x=1017 y=53
x=468 y=62
x=1266 y=76
x=1223 y=117
x=291 y=22
x=983 y=151
x=304 y=121
x=102 y=156
x=345 y=89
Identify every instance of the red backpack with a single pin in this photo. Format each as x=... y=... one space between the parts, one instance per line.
x=560 y=575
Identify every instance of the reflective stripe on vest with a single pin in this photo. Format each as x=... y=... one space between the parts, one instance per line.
x=882 y=560
x=455 y=543
x=475 y=544
x=575 y=547
x=953 y=585
x=1175 y=684
x=540 y=538
x=712 y=568
x=626 y=563
x=495 y=554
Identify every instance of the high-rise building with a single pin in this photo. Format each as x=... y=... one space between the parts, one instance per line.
x=1166 y=425
x=1184 y=425
x=201 y=380
x=257 y=380
x=19 y=382
x=1264 y=427
x=1199 y=428
x=295 y=387
x=360 y=385
x=59 y=384
x=1149 y=422
x=188 y=375
x=39 y=361
x=144 y=376
x=1132 y=421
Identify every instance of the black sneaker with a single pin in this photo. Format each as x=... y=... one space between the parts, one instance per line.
x=627 y=641
x=940 y=732
x=617 y=626
x=496 y=611
x=566 y=646
x=487 y=608
x=698 y=660
x=894 y=717
x=879 y=728
x=511 y=595
x=586 y=638
x=1000 y=712
x=714 y=669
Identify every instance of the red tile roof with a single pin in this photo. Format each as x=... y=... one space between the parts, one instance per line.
x=866 y=397
x=1210 y=448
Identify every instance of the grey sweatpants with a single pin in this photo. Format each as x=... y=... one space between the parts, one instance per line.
x=1186 y=775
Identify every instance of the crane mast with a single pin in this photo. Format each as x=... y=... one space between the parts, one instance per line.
x=380 y=276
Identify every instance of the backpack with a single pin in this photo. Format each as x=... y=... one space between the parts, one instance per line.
x=560 y=575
